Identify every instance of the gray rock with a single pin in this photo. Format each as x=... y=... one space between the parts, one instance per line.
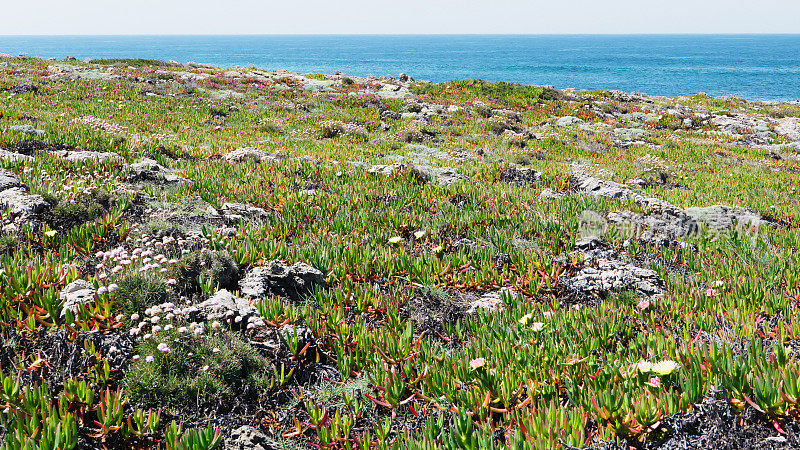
x=86 y=155
x=150 y=170
x=599 y=187
x=491 y=301
x=312 y=85
x=391 y=91
x=6 y=155
x=641 y=117
x=661 y=228
x=444 y=176
x=235 y=212
x=26 y=129
x=604 y=275
x=391 y=115
x=630 y=133
x=384 y=169
x=549 y=194
x=789 y=127
x=75 y=294
x=22 y=204
x=245 y=153
x=279 y=279
x=720 y=217
x=249 y=438
x=8 y=179
x=520 y=176
x=589 y=243
x=568 y=121
x=236 y=312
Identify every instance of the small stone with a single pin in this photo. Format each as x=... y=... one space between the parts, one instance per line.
x=75 y=294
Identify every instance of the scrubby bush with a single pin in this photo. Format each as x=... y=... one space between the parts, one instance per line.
x=138 y=291
x=178 y=367
x=67 y=214
x=216 y=269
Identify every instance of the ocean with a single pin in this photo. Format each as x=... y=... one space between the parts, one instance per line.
x=754 y=67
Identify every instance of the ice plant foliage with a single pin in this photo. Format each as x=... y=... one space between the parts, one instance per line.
x=395 y=264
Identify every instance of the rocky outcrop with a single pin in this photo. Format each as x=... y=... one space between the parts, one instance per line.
x=235 y=212
x=247 y=437
x=22 y=204
x=86 y=155
x=604 y=274
x=444 y=176
x=148 y=170
x=277 y=278
x=520 y=177
x=237 y=313
x=249 y=153
x=6 y=155
x=8 y=180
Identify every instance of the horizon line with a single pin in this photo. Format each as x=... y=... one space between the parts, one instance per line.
x=405 y=34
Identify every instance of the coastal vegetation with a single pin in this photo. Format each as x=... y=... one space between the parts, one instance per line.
x=196 y=258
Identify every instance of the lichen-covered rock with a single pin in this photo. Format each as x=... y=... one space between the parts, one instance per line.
x=720 y=217
x=86 y=155
x=249 y=438
x=150 y=170
x=236 y=312
x=599 y=187
x=8 y=180
x=549 y=194
x=6 y=155
x=568 y=121
x=605 y=275
x=491 y=301
x=443 y=176
x=235 y=212
x=789 y=127
x=520 y=176
x=423 y=151
x=280 y=279
x=384 y=169
x=22 y=204
x=245 y=153
x=76 y=294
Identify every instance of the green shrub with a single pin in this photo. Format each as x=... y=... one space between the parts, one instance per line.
x=510 y=93
x=197 y=369
x=215 y=268
x=137 y=292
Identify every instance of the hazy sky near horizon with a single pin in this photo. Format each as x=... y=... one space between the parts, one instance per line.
x=398 y=17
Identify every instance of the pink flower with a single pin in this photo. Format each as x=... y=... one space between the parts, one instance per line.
x=112 y=287
x=477 y=363
x=149 y=358
x=644 y=304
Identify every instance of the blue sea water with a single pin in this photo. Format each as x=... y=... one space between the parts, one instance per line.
x=755 y=67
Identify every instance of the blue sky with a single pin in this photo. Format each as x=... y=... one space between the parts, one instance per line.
x=398 y=17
